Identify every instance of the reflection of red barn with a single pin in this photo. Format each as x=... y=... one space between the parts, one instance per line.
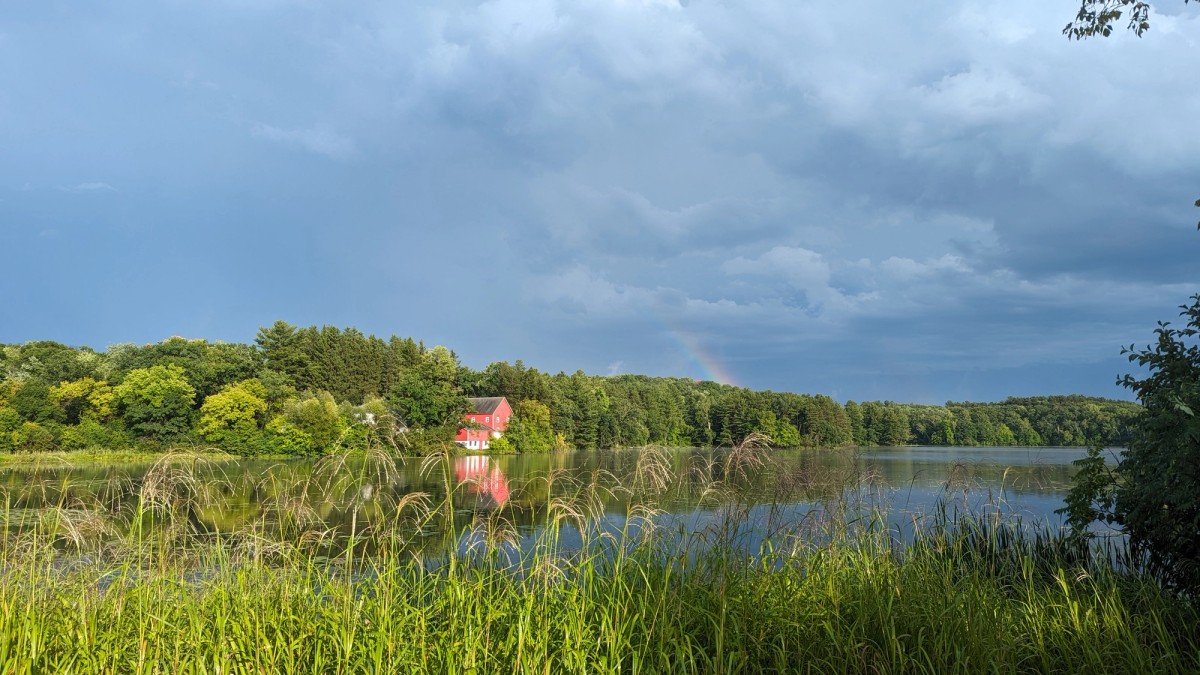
x=485 y=480
x=492 y=414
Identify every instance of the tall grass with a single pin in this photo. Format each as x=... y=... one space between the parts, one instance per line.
x=100 y=587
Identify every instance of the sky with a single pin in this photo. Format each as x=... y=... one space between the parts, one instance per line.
x=919 y=202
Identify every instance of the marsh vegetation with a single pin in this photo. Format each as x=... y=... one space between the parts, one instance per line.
x=347 y=566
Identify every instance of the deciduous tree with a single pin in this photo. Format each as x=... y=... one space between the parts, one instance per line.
x=307 y=426
x=529 y=430
x=427 y=395
x=84 y=398
x=156 y=402
x=232 y=416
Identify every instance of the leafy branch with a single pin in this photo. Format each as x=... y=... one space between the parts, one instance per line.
x=1096 y=17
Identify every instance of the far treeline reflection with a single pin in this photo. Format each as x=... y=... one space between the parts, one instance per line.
x=306 y=391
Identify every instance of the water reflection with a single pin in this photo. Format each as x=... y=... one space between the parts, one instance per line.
x=434 y=503
x=482 y=477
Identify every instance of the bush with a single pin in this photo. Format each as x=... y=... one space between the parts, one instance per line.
x=501 y=446
x=92 y=434
x=1158 y=485
x=286 y=438
x=33 y=437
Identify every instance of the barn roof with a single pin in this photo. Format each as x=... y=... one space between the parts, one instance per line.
x=486 y=405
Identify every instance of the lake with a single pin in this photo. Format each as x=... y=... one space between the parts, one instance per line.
x=752 y=496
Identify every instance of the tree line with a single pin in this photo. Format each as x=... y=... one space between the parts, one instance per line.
x=303 y=391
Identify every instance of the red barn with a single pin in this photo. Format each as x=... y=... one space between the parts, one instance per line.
x=493 y=414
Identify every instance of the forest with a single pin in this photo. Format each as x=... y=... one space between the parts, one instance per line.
x=307 y=391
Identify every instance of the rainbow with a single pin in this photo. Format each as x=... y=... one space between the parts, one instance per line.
x=710 y=368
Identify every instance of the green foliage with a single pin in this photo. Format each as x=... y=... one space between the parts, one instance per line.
x=308 y=426
x=895 y=426
x=822 y=422
x=786 y=435
x=529 y=430
x=370 y=425
x=606 y=422
x=943 y=434
x=82 y=399
x=858 y=430
x=1092 y=494
x=346 y=363
x=1004 y=436
x=32 y=399
x=502 y=446
x=156 y=402
x=288 y=438
x=1096 y=17
x=515 y=382
x=49 y=362
x=1157 y=496
x=208 y=366
x=874 y=423
x=697 y=415
x=278 y=387
x=91 y=434
x=584 y=407
x=32 y=437
x=172 y=598
x=10 y=421
x=232 y=417
x=282 y=352
x=1045 y=420
x=425 y=390
x=427 y=394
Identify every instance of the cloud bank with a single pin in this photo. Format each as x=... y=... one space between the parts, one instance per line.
x=919 y=202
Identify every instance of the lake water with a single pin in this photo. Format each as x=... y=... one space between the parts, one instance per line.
x=756 y=495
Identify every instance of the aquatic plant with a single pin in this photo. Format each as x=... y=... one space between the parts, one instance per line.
x=89 y=587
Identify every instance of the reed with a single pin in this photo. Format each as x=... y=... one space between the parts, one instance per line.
x=89 y=588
